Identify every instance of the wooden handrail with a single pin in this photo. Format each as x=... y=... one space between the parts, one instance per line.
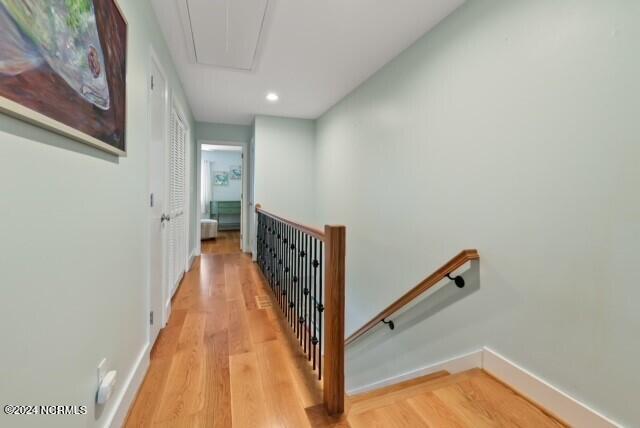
x=306 y=229
x=453 y=264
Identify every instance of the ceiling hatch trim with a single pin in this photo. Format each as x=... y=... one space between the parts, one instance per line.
x=223 y=33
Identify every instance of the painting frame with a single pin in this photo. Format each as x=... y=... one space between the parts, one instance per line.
x=18 y=111
x=220 y=178
x=235 y=172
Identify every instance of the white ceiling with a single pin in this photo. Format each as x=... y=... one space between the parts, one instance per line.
x=311 y=52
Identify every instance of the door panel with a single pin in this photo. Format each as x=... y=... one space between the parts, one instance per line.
x=157 y=200
x=177 y=201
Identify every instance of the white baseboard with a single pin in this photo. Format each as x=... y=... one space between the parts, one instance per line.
x=167 y=312
x=453 y=365
x=127 y=394
x=192 y=259
x=539 y=391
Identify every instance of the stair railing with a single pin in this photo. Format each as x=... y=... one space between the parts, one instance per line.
x=443 y=272
x=305 y=269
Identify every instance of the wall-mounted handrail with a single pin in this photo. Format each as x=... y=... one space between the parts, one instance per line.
x=305 y=269
x=440 y=274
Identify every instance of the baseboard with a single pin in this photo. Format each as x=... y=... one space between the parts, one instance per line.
x=453 y=365
x=167 y=312
x=542 y=393
x=192 y=259
x=127 y=394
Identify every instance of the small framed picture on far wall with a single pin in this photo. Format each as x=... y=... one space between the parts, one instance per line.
x=220 y=178
x=235 y=172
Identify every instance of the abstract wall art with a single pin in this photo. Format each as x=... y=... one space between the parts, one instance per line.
x=63 y=66
x=220 y=178
x=235 y=172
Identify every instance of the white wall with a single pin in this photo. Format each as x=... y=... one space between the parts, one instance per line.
x=223 y=161
x=73 y=252
x=284 y=167
x=511 y=128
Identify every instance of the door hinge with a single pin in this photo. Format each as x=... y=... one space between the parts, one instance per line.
x=152 y=83
x=151 y=200
x=151 y=317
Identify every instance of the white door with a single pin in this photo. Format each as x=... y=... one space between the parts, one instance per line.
x=157 y=199
x=177 y=201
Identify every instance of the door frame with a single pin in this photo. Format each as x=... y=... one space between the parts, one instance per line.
x=245 y=243
x=163 y=317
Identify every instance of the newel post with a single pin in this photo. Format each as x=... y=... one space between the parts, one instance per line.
x=335 y=242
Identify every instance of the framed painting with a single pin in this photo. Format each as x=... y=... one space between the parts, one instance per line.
x=235 y=172
x=63 y=66
x=220 y=178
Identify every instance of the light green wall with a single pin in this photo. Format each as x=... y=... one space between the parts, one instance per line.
x=284 y=160
x=73 y=252
x=512 y=128
x=223 y=132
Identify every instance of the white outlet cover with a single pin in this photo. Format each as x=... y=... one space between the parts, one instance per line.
x=102 y=370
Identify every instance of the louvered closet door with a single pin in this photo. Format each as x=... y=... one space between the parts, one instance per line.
x=177 y=228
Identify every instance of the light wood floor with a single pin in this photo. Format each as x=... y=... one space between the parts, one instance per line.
x=227 y=242
x=226 y=359
x=469 y=399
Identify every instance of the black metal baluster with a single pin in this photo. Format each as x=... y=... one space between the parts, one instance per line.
x=271 y=252
x=308 y=292
x=274 y=256
x=283 y=254
x=309 y=297
x=304 y=293
x=298 y=289
x=292 y=261
x=265 y=238
x=294 y=283
x=321 y=312
x=274 y=267
x=314 y=339
x=258 y=238
x=274 y=264
x=287 y=270
x=267 y=254
x=303 y=337
x=279 y=263
x=285 y=264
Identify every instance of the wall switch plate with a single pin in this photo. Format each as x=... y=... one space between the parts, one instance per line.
x=102 y=370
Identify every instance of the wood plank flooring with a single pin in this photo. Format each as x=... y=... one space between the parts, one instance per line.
x=227 y=242
x=469 y=399
x=226 y=359
x=222 y=361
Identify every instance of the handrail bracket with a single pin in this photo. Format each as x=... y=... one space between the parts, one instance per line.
x=458 y=280
x=390 y=323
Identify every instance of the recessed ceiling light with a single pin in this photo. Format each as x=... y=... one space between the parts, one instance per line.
x=272 y=97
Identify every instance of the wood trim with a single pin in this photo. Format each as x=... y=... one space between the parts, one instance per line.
x=306 y=229
x=453 y=264
x=334 y=318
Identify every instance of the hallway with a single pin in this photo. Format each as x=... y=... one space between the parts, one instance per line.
x=224 y=358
